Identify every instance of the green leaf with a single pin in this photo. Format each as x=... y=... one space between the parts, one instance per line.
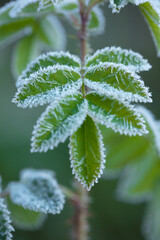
x=51 y=33
x=87 y=153
x=4 y=13
x=138 y=180
x=28 y=8
x=96 y=23
x=155 y=30
x=49 y=59
x=44 y=4
x=116 y=80
x=6 y=228
x=47 y=85
x=68 y=6
x=25 y=51
x=134 y=61
x=13 y=30
x=58 y=122
x=151 y=8
x=25 y=219
x=151 y=223
x=123 y=149
x=37 y=191
x=122 y=118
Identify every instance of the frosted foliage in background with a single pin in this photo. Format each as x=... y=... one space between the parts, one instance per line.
x=37 y=191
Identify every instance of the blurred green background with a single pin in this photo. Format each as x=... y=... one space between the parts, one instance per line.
x=110 y=219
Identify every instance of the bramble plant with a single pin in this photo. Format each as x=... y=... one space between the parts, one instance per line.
x=84 y=93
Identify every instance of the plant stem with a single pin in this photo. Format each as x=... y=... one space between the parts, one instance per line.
x=80 y=219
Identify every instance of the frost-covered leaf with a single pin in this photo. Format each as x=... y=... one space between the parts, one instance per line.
x=96 y=23
x=49 y=59
x=13 y=30
x=25 y=51
x=25 y=8
x=152 y=126
x=116 y=5
x=47 y=3
x=134 y=61
x=58 y=122
x=25 y=219
x=122 y=118
x=6 y=228
x=68 y=6
x=151 y=223
x=51 y=33
x=155 y=30
x=4 y=12
x=116 y=80
x=87 y=153
x=47 y=85
x=37 y=191
x=139 y=178
x=150 y=7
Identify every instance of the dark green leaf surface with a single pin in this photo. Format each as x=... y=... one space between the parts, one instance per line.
x=87 y=153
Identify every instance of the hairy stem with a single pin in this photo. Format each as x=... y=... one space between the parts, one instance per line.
x=80 y=219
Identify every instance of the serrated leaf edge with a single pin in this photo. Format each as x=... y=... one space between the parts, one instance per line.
x=102 y=167
x=77 y=118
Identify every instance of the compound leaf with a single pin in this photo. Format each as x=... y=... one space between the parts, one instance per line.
x=117 y=81
x=25 y=219
x=49 y=59
x=134 y=61
x=58 y=122
x=37 y=191
x=155 y=30
x=87 y=153
x=47 y=85
x=25 y=51
x=122 y=118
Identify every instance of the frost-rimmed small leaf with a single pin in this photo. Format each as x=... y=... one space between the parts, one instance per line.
x=37 y=191
x=116 y=80
x=58 y=122
x=134 y=61
x=87 y=153
x=6 y=228
x=48 y=59
x=119 y=116
x=47 y=85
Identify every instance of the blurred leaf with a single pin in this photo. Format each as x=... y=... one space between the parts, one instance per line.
x=96 y=24
x=6 y=228
x=37 y=191
x=151 y=224
x=25 y=219
x=51 y=33
x=87 y=153
x=25 y=51
x=138 y=179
